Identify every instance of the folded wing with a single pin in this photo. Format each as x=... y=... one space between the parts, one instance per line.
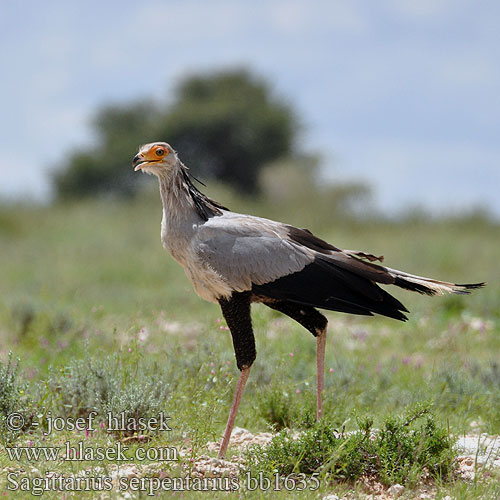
x=282 y=262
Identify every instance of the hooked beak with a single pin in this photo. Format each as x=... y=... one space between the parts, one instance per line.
x=138 y=162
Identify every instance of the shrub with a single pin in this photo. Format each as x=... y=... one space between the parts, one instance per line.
x=13 y=399
x=106 y=386
x=400 y=451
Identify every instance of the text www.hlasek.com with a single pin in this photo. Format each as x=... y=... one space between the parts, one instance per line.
x=80 y=453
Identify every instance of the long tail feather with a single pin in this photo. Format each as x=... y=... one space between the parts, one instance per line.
x=429 y=286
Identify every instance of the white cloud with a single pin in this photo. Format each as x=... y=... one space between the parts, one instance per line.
x=441 y=176
x=23 y=179
x=470 y=70
x=303 y=18
x=423 y=9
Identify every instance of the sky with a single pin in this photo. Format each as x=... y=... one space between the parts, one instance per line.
x=401 y=94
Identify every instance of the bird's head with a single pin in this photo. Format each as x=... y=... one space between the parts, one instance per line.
x=155 y=158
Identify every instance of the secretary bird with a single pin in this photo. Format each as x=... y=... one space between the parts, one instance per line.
x=237 y=259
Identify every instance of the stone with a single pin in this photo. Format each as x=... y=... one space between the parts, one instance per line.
x=396 y=490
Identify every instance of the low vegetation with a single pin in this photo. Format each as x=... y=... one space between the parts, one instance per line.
x=13 y=399
x=404 y=450
x=107 y=386
x=103 y=320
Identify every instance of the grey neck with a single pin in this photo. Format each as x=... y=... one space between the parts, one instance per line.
x=174 y=194
x=179 y=195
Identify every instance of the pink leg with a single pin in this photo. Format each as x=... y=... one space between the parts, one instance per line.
x=320 y=367
x=234 y=409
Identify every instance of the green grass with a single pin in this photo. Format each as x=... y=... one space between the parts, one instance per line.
x=88 y=290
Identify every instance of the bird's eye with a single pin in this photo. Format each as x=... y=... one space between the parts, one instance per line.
x=160 y=152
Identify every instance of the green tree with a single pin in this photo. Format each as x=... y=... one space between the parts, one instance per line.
x=225 y=126
x=106 y=167
x=228 y=126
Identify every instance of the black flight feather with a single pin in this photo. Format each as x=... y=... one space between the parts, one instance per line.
x=325 y=285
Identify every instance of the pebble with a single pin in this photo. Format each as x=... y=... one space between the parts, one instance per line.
x=396 y=490
x=466 y=460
